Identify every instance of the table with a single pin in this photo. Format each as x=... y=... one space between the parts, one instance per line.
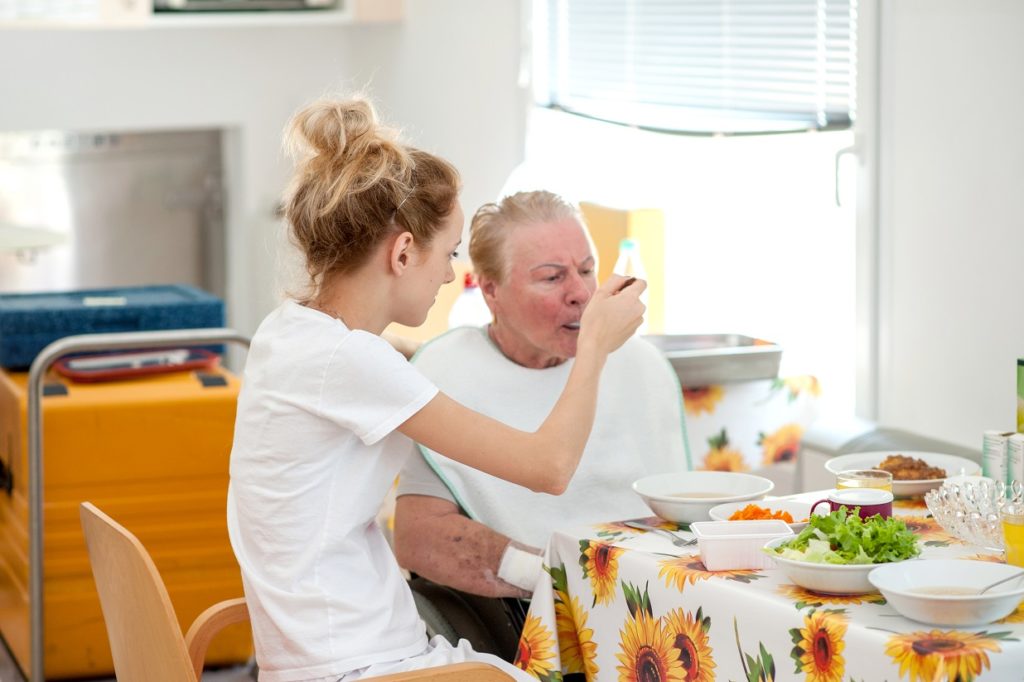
x=611 y=608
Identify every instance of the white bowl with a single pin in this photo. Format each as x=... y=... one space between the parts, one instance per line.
x=900 y=584
x=825 y=578
x=798 y=510
x=954 y=466
x=688 y=496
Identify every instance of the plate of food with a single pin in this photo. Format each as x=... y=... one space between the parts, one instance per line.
x=792 y=512
x=913 y=473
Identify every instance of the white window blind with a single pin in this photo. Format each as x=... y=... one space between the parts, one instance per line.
x=701 y=66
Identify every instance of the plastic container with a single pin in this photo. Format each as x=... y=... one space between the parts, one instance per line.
x=732 y=545
x=30 y=322
x=629 y=264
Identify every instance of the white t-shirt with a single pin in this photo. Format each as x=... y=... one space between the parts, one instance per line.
x=639 y=429
x=315 y=452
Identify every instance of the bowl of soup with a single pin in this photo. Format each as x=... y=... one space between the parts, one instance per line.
x=688 y=496
x=947 y=592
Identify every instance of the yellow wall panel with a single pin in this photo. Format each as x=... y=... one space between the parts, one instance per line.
x=608 y=226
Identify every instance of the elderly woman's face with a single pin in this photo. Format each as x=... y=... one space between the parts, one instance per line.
x=550 y=276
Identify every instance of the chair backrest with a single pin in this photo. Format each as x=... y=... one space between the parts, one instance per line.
x=145 y=638
x=454 y=672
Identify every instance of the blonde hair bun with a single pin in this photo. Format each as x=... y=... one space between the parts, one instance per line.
x=356 y=182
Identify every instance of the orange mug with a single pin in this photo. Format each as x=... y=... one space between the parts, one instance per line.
x=867 y=501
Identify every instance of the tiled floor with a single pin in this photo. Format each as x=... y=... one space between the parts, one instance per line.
x=9 y=672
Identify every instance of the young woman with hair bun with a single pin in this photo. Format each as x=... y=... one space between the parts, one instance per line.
x=327 y=406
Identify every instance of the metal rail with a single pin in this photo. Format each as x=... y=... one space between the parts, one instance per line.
x=40 y=366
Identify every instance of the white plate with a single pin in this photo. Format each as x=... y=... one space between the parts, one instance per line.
x=953 y=465
x=899 y=584
x=798 y=510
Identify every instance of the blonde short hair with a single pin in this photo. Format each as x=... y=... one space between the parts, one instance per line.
x=492 y=223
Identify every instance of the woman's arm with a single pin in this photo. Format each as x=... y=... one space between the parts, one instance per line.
x=546 y=459
x=437 y=542
x=403 y=345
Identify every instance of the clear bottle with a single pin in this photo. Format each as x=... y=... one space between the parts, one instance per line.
x=629 y=264
x=470 y=309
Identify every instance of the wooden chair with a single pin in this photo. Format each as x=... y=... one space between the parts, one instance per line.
x=145 y=639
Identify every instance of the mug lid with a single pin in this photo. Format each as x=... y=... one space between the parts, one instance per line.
x=861 y=496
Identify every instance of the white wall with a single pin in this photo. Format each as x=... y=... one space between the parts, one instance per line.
x=951 y=238
x=447 y=74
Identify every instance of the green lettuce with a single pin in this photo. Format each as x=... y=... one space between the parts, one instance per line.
x=843 y=537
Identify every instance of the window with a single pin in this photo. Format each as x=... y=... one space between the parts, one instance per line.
x=701 y=66
x=755 y=243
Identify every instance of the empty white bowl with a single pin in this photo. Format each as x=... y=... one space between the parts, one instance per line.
x=798 y=510
x=688 y=496
x=927 y=590
x=825 y=578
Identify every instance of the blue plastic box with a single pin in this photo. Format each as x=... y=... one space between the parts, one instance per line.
x=30 y=322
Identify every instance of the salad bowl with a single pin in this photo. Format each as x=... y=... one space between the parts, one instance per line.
x=835 y=553
x=825 y=578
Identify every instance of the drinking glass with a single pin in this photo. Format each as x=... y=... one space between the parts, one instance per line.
x=1013 y=534
x=864 y=478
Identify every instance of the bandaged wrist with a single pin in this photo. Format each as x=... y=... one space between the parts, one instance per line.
x=520 y=568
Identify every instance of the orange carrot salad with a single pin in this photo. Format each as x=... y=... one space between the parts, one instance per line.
x=752 y=512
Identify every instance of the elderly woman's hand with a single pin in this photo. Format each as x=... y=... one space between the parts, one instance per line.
x=613 y=314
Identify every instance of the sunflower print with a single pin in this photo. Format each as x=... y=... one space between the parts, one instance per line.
x=929 y=531
x=702 y=399
x=800 y=384
x=781 y=446
x=690 y=569
x=600 y=563
x=536 y=648
x=721 y=457
x=575 y=639
x=648 y=652
x=690 y=638
x=803 y=598
x=725 y=459
x=936 y=655
x=1016 y=617
x=819 y=646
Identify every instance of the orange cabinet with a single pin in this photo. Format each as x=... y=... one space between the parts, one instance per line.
x=152 y=453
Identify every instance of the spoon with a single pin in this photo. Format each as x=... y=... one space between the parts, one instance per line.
x=676 y=540
x=1019 y=574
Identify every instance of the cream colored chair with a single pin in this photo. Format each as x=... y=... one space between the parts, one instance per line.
x=145 y=639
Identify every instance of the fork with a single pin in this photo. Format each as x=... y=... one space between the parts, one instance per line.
x=676 y=540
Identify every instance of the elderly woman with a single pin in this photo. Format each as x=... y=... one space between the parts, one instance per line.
x=537 y=270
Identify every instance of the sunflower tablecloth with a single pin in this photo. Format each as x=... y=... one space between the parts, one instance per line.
x=611 y=608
